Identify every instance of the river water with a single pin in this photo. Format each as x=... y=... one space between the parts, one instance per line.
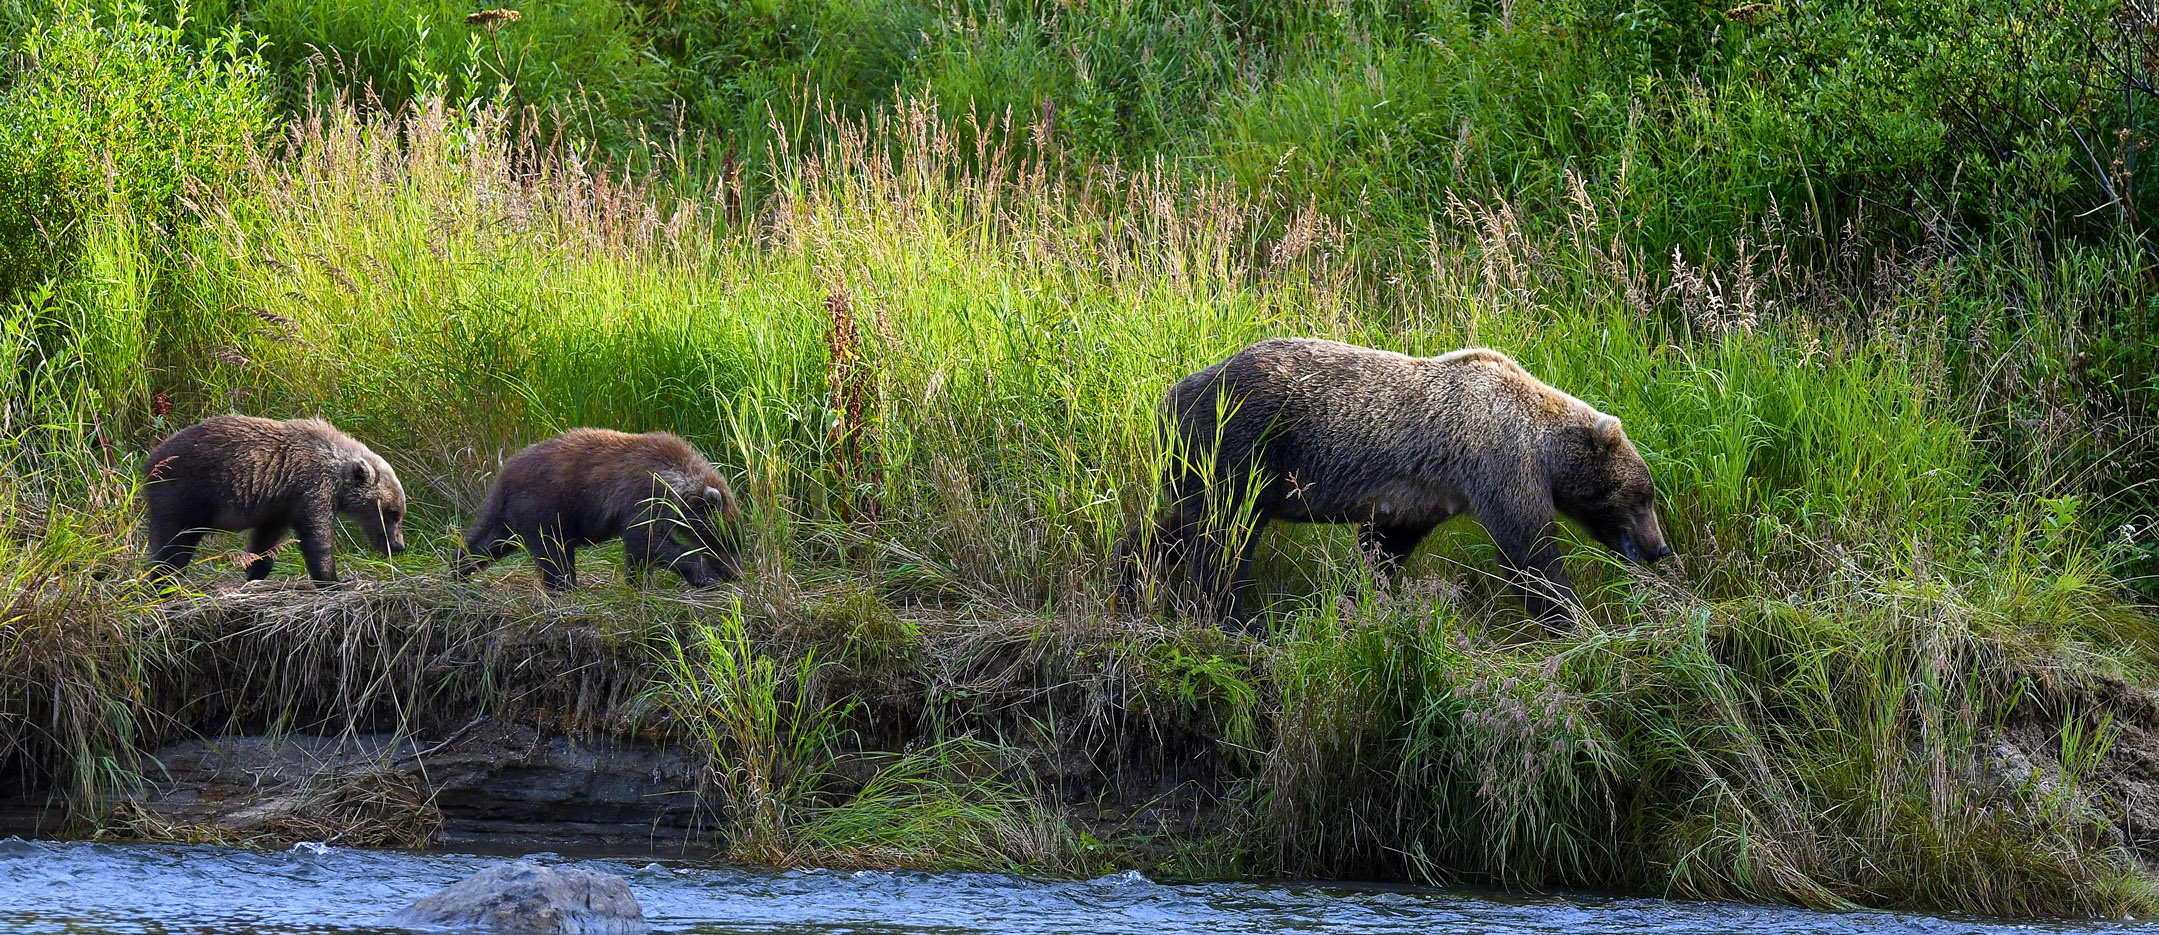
x=175 y=890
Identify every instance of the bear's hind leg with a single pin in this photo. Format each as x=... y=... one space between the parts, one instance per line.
x=488 y=541
x=262 y=546
x=172 y=547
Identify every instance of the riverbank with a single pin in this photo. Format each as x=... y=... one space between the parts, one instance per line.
x=428 y=712
x=423 y=712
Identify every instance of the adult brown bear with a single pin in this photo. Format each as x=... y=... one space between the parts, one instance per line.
x=587 y=486
x=240 y=472
x=1317 y=431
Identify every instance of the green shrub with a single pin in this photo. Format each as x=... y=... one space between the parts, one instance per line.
x=584 y=64
x=114 y=114
x=737 y=57
x=1693 y=123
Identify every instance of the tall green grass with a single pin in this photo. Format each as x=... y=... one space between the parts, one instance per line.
x=1852 y=145
x=1014 y=333
x=116 y=116
x=771 y=749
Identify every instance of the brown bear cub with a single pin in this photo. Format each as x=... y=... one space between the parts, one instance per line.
x=1318 y=431
x=587 y=486
x=240 y=472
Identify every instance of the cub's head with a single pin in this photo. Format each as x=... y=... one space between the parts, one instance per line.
x=716 y=521
x=1601 y=482
x=369 y=494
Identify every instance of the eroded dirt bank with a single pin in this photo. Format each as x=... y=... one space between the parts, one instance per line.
x=425 y=713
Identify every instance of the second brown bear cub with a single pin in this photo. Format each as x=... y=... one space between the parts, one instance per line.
x=587 y=486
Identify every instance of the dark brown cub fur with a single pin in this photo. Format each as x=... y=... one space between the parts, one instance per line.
x=587 y=486
x=240 y=472
x=1323 y=432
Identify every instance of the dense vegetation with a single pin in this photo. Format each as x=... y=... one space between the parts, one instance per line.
x=1869 y=281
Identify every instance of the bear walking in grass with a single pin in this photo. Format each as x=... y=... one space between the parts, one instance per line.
x=587 y=486
x=1318 y=431
x=239 y=472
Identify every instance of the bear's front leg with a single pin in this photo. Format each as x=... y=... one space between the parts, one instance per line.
x=318 y=544
x=1222 y=564
x=653 y=543
x=1540 y=577
x=1526 y=535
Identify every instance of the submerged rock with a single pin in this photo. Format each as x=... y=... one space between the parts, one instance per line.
x=525 y=897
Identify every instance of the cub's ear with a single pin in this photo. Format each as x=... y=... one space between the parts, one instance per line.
x=1606 y=431
x=713 y=496
x=361 y=474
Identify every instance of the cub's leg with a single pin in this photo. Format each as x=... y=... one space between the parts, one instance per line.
x=649 y=544
x=261 y=543
x=488 y=541
x=172 y=547
x=318 y=544
x=552 y=556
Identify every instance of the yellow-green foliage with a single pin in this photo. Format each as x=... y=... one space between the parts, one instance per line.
x=116 y=116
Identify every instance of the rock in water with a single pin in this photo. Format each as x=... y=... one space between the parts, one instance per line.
x=523 y=897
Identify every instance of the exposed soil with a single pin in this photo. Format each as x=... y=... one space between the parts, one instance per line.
x=496 y=783
x=350 y=717
x=2123 y=787
x=290 y=715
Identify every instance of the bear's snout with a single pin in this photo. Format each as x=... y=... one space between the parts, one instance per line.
x=1643 y=550
x=390 y=538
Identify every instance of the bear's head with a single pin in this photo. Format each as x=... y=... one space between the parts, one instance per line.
x=371 y=497
x=1601 y=482
x=717 y=524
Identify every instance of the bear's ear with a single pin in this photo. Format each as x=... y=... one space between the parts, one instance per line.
x=1606 y=431
x=713 y=496
x=361 y=474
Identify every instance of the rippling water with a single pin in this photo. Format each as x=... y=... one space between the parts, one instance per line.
x=169 y=890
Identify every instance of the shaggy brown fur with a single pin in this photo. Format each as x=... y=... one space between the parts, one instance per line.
x=240 y=472
x=1323 y=432
x=587 y=486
